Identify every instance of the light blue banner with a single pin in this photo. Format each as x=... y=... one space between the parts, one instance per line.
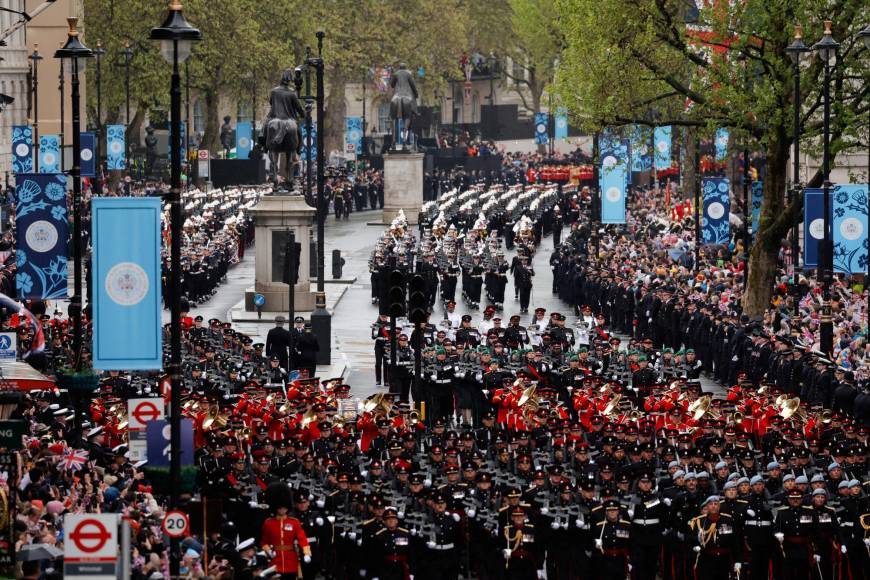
x=42 y=233
x=126 y=278
x=541 y=134
x=640 y=156
x=49 y=153
x=243 y=140
x=721 y=144
x=613 y=180
x=88 y=155
x=849 y=204
x=814 y=225
x=22 y=149
x=353 y=135
x=662 y=138
x=561 y=123
x=116 y=155
x=757 y=191
x=717 y=207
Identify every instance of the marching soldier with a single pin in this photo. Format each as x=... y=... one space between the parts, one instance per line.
x=392 y=551
x=716 y=542
x=612 y=540
x=523 y=548
x=283 y=536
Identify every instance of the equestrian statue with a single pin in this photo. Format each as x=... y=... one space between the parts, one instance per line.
x=283 y=134
x=403 y=106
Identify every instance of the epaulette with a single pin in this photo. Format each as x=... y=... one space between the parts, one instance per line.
x=381 y=531
x=782 y=507
x=368 y=521
x=336 y=492
x=742 y=501
x=501 y=509
x=807 y=507
x=596 y=508
x=401 y=530
x=626 y=522
x=600 y=523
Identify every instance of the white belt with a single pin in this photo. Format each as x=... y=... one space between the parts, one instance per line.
x=313 y=540
x=443 y=381
x=761 y=523
x=646 y=522
x=849 y=524
x=441 y=547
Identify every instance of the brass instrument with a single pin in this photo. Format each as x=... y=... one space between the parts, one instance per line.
x=528 y=394
x=612 y=405
x=309 y=417
x=792 y=408
x=214 y=418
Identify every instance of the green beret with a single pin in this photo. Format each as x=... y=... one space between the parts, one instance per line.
x=641 y=358
x=440 y=350
x=574 y=357
x=690 y=350
x=582 y=349
x=669 y=349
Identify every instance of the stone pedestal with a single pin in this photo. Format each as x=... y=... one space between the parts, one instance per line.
x=403 y=185
x=273 y=216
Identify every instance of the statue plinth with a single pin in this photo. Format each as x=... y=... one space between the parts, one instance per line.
x=273 y=216
x=403 y=185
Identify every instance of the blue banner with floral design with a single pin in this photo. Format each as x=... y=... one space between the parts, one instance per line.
x=126 y=282
x=757 y=193
x=717 y=205
x=613 y=180
x=663 y=136
x=641 y=159
x=42 y=233
x=721 y=144
x=116 y=155
x=849 y=204
x=561 y=130
x=305 y=154
x=22 y=149
x=542 y=132
x=87 y=155
x=353 y=135
x=49 y=154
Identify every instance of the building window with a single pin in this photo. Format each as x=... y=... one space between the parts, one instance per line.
x=384 y=121
x=518 y=72
x=198 y=120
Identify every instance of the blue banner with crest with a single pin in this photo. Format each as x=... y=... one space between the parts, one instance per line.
x=561 y=123
x=22 y=149
x=353 y=135
x=717 y=206
x=49 y=154
x=243 y=140
x=305 y=154
x=613 y=180
x=126 y=278
x=849 y=204
x=88 y=154
x=662 y=138
x=42 y=234
x=721 y=144
x=814 y=225
x=542 y=136
x=116 y=154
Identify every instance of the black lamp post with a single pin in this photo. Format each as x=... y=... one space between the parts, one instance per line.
x=72 y=56
x=796 y=51
x=491 y=61
x=35 y=58
x=98 y=53
x=864 y=35
x=826 y=50
x=128 y=56
x=60 y=87
x=176 y=38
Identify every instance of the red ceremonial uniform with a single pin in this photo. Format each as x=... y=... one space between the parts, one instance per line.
x=282 y=534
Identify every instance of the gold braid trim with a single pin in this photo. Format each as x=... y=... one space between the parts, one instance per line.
x=517 y=540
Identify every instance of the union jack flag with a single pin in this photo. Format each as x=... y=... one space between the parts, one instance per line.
x=73 y=459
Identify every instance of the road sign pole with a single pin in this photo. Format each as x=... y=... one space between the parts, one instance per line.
x=125 y=547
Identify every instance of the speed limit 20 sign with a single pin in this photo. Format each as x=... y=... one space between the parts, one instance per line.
x=176 y=524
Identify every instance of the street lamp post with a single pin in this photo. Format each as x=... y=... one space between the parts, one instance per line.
x=72 y=56
x=128 y=57
x=35 y=58
x=176 y=38
x=796 y=51
x=864 y=35
x=826 y=50
x=697 y=204
x=98 y=53
x=61 y=88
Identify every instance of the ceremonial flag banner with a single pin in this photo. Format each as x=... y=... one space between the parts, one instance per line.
x=49 y=154
x=42 y=231
x=561 y=124
x=814 y=225
x=717 y=205
x=757 y=191
x=353 y=134
x=541 y=136
x=116 y=155
x=849 y=204
x=721 y=144
x=640 y=157
x=88 y=155
x=305 y=154
x=243 y=140
x=183 y=144
x=662 y=140
x=22 y=149
x=126 y=279
x=613 y=180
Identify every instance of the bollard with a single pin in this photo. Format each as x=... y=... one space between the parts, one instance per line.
x=337 y=264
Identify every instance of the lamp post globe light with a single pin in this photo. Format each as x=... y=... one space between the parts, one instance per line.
x=826 y=51
x=176 y=38
x=796 y=51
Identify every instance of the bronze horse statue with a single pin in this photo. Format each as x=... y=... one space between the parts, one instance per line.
x=282 y=129
x=403 y=105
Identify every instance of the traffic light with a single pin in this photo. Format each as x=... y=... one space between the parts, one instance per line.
x=396 y=293
x=418 y=302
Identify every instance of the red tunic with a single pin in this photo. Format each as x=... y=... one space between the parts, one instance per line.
x=282 y=534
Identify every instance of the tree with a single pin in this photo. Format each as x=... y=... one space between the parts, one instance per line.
x=726 y=68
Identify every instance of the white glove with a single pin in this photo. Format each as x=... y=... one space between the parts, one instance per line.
x=362 y=573
x=456 y=517
x=843 y=549
x=667 y=501
x=751 y=513
x=779 y=536
x=319 y=521
x=630 y=513
x=253 y=504
x=545 y=511
x=867 y=541
x=599 y=544
x=434 y=377
x=696 y=549
x=506 y=553
x=400 y=515
x=737 y=566
x=579 y=522
x=351 y=535
x=427 y=483
x=359 y=542
x=306 y=558
x=320 y=503
x=555 y=525
x=331 y=519
x=817 y=558
x=343 y=534
x=541 y=575
x=471 y=512
x=430 y=544
x=364 y=473
x=565 y=525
